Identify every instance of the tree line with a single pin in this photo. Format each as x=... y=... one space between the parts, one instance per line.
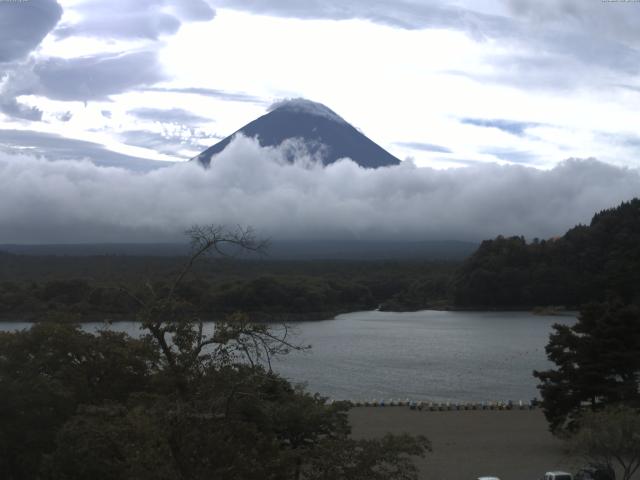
x=267 y=290
x=589 y=263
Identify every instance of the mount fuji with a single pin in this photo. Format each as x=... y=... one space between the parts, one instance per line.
x=323 y=133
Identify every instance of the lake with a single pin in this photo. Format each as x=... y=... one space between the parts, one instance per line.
x=427 y=355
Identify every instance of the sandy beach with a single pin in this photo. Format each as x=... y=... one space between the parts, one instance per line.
x=513 y=445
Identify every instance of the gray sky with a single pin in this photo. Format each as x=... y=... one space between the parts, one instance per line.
x=478 y=93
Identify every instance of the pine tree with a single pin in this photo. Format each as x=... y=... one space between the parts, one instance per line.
x=598 y=364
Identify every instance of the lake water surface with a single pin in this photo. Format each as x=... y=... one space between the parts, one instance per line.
x=427 y=355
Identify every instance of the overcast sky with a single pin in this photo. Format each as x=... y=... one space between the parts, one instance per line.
x=463 y=83
x=509 y=81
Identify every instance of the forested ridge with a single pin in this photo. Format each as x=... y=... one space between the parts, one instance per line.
x=589 y=263
x=59 y=287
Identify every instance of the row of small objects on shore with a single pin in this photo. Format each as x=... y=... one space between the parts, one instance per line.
x=446 y=406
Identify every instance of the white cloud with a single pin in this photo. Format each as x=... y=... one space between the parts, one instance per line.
x=68 y=201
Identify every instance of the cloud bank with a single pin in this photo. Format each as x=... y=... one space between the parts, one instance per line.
x=75 y=201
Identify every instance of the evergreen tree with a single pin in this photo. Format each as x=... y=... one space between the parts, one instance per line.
x=598 y=364
x=587 y=264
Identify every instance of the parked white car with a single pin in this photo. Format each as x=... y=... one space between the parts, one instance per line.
x=488 y=478
x=557 y=476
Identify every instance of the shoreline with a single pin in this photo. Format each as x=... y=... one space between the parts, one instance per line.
x=262 y=317
x=98 y=317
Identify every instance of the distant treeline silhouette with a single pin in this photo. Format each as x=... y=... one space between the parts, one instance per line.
x=89 y=288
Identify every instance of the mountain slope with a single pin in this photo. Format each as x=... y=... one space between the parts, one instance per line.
x=323 y=132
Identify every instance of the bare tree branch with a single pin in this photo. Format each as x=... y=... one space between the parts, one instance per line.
x=181 y=337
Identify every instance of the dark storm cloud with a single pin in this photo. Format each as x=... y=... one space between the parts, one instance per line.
x=509 y=126
x=60 y=148
x=172 y=115
x=23 y=25
x=426 y=147
x=67 y=201
x=211 y=92
x=134 y=19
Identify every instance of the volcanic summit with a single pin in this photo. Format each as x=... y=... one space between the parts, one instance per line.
x=324 y=134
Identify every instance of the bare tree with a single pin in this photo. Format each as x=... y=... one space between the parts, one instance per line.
x=179 y=330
